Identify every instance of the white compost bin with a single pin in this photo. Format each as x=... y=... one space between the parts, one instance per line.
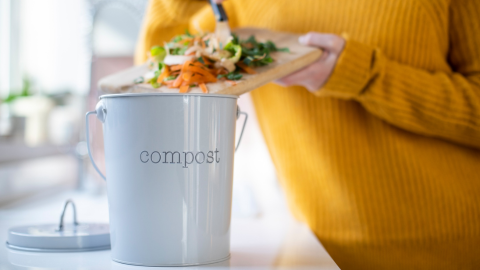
x=169 y=171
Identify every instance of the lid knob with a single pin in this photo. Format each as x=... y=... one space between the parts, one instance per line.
x=75 y=223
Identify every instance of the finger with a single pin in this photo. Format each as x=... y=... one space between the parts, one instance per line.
x=297 y=76
x=312 y=77
x=279 y=82
x=218 y=1
x=330 y=42
x=318 y=68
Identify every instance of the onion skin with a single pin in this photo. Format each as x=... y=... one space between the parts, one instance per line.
x=172 y=60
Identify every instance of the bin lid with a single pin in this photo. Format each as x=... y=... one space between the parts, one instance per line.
x=75 y=237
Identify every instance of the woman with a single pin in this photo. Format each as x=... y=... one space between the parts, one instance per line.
x=377 y=143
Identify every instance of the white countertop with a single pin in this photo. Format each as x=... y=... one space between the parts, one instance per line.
x=273 y=241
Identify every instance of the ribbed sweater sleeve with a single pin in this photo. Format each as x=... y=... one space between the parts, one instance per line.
x=438 y=104
x=163 y=20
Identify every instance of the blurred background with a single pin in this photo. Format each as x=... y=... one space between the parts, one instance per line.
x=52 y=54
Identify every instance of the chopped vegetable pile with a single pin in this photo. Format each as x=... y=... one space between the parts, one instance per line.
x=194 y=60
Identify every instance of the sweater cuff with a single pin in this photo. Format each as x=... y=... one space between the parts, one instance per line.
x=351 y=73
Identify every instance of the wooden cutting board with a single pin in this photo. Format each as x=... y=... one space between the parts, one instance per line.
x=284 y=64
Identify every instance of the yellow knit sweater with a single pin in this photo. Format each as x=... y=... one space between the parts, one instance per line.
x=383 y=163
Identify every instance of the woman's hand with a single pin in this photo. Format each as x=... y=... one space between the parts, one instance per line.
x=316 y=75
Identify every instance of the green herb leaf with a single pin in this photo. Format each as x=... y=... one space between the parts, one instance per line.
x=234 y=76
x=178 y=51
x=235 y=40
x=187 y=33
x=256 y=53
x=161 y=65
x=248 y=60
x=139 y=80
x=177 y=39
x=153 y=81
x=171 y=78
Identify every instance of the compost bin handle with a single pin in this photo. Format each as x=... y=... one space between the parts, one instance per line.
x=239 y=112
x=100 y=116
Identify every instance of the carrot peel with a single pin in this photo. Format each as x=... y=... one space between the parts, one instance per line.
x=165 y=73
x=204 y=88
x=246 y=68
x=184 y=88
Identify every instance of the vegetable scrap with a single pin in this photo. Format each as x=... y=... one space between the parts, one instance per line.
x=196 y=60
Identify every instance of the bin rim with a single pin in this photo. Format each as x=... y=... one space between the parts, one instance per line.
x=166 y=94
